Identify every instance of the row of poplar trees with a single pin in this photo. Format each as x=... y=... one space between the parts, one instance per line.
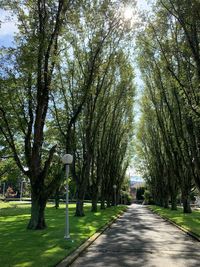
x=67 y=87
x=169 y=127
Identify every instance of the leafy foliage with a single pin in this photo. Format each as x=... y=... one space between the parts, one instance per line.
x=67 y=87
x=169 y=126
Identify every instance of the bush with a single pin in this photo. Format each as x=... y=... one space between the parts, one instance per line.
x=148 y=197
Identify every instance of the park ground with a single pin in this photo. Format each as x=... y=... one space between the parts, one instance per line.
x=141 y=238
x=138 y=238
x=20 y=247
x=188 y=221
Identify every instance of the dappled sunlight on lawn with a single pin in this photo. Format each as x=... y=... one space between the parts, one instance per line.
x=45 y=247
x=189 y=221
x=14 y=218
x=24 y=264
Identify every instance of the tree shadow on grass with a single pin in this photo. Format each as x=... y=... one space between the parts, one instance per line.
x=22 y=247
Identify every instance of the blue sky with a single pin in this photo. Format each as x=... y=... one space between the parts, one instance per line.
x=8 y=28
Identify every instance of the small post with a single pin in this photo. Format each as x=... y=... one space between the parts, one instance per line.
x=67 y=159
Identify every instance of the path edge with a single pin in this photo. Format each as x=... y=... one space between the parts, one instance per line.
x=75 y=254
x=195 y=236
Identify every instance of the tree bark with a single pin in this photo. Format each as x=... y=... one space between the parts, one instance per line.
x=81 y=189
x=173 y=202
x=166 y=203
x=94 y=205
x=37 y=220
x=57 y=198
x=108 y=203
x=186 y=204
x=79 y=207
x=103 y=207
x=94 y=200
x=82 y=185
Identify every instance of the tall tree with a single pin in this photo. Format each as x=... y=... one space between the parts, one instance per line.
x=170 y=72
x=26 y=82
x=87 y=84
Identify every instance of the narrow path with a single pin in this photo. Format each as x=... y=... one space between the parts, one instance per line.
x=141 y=238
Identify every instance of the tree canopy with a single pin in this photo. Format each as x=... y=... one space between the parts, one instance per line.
x=168 y=133
x=67 y=87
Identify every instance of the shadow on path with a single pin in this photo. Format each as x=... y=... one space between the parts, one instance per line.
x=141 y=238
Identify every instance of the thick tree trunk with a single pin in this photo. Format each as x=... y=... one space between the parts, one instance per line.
x=185 y=190
x=94 y=205
x=108 y=203
x=161 y=202
x=57 y=199
x=94 y=200
x=186 y=204
x=81 y=189
x=166 y=203
x=37 y=220
x=82 y=186
x=173 y=202
x=103 y=204
x=79 y=208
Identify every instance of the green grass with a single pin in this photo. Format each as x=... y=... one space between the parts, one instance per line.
x=189 y=221
x=20 y=247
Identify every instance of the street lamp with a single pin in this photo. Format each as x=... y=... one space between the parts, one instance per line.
x=67 y=159
x=115 y=187
x=21 y=190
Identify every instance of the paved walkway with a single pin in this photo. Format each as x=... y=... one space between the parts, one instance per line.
x=141 y=238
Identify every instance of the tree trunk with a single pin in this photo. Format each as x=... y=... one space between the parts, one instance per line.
x=166 y=203
x=81 y=189
x=186 y=204
x=173 y=202
x=108 y=203
x=79 y=207
x=161 y=202
x=37 y=220
x=57 y=199
x=94 y=200
x=103 y=207
x=94 y=205
x=82 y=186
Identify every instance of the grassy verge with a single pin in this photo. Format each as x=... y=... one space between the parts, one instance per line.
x=190 y=222
x=23 y=248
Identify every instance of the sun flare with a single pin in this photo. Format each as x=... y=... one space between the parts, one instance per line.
x=128 y=13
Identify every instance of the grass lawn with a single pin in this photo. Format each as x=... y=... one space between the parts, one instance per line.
x=190 y=221
x=20 y=247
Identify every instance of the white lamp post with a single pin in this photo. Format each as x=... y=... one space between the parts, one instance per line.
x=115 y=187
x=67 y=159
